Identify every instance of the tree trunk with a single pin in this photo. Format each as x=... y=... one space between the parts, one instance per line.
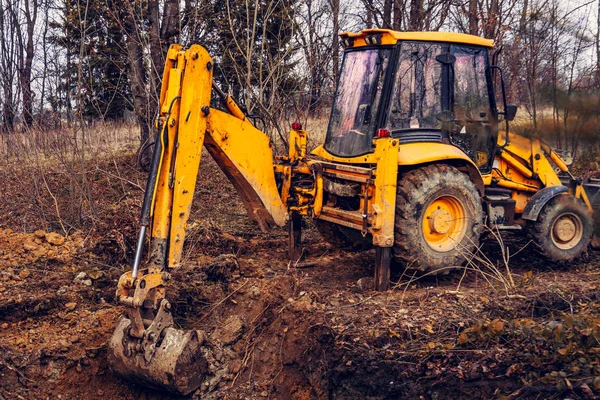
x=6 y=64
x=45 y=52
x=335 y=41
x=387 y=14
x=516 y=49
x=598 y=47
x=136 y=76
x=397 y=15
x=8 y=113
x=31 y=16
x=169 y=26
x=492 y=22
x=473 y=23
x=416 y=15
x=156 y=53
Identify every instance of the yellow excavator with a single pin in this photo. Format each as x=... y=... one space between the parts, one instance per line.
x=414 y=164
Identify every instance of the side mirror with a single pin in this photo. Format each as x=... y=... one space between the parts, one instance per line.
x=510 y=112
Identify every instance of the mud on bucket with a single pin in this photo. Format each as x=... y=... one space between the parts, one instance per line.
x=177 y=365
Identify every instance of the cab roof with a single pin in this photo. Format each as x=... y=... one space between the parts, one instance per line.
x=387 y=36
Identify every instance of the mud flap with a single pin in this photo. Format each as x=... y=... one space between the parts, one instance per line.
x=178 y=364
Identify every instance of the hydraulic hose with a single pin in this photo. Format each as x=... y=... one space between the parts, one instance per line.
x=157 y=155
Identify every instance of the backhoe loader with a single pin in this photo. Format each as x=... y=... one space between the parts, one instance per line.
x=417 y=162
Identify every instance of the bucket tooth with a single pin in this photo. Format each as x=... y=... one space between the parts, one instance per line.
x=178 y=364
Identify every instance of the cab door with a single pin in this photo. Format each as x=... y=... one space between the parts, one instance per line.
x=475 y=128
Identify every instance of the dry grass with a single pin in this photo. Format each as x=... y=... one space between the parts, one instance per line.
x=60 y=179
x=39 y=147
x=575 y=129
x=496 y=273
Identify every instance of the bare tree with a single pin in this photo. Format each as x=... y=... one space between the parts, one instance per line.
x=335 y=43
x=315 y=41
x=473 y=17
x=387 y=14
x=7 y=63
x=598 y=45
x=25 y=51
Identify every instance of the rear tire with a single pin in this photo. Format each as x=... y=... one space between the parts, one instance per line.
x=438 y=218
x=563 y=230
x=343 y=238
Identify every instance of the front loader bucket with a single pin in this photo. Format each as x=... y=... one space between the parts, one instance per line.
x=177 y=364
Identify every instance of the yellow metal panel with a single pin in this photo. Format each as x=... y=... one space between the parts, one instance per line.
x=487 y=179
x=413 y=154
x=505 y=170
x=171 y=62
x=421 y=153
x=297 y=145
x=384 y=202
x=234 y=109
x=518 y=165
x=366 y=159
x=521 y=199
x=531 y=153
x=161 y=212
x=581 y=194
x=196 y=91
x=560 y=163
x=391 y=37
x=516 y=186
x=245 y=155
x=519 y=146
x=409 y=154
x=542 y=167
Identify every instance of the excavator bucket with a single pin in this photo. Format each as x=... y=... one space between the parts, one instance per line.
x=177 y=364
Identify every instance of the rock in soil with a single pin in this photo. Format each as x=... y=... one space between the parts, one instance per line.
x=55 y=239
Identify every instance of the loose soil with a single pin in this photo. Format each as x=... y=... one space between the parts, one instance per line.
x=280 y=331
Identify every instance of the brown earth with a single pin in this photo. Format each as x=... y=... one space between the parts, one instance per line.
x=313 y=330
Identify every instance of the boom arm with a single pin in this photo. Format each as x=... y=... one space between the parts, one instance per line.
x=243 y=152
x=187 y=123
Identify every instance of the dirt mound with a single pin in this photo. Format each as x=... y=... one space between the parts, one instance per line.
x=33 y=268
x=21 y=249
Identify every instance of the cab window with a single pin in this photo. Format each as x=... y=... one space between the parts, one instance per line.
x=353 y=116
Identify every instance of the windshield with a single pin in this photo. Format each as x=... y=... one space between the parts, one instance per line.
x=356 y=103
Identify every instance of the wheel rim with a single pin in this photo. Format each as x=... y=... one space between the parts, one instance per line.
x=566 y=231
x=444 y=223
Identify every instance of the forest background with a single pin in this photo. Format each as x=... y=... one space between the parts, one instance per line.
x=69 y=64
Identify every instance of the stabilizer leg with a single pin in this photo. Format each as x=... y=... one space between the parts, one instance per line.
x=295 y=237
x=383 y=258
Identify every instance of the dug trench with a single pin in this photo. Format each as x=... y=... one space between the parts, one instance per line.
x=276 y=330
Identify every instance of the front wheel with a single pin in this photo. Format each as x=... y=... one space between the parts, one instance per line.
x=438 y=218
x=563 y=230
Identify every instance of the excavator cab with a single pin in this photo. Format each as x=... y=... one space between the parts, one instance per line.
x=418 y=91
